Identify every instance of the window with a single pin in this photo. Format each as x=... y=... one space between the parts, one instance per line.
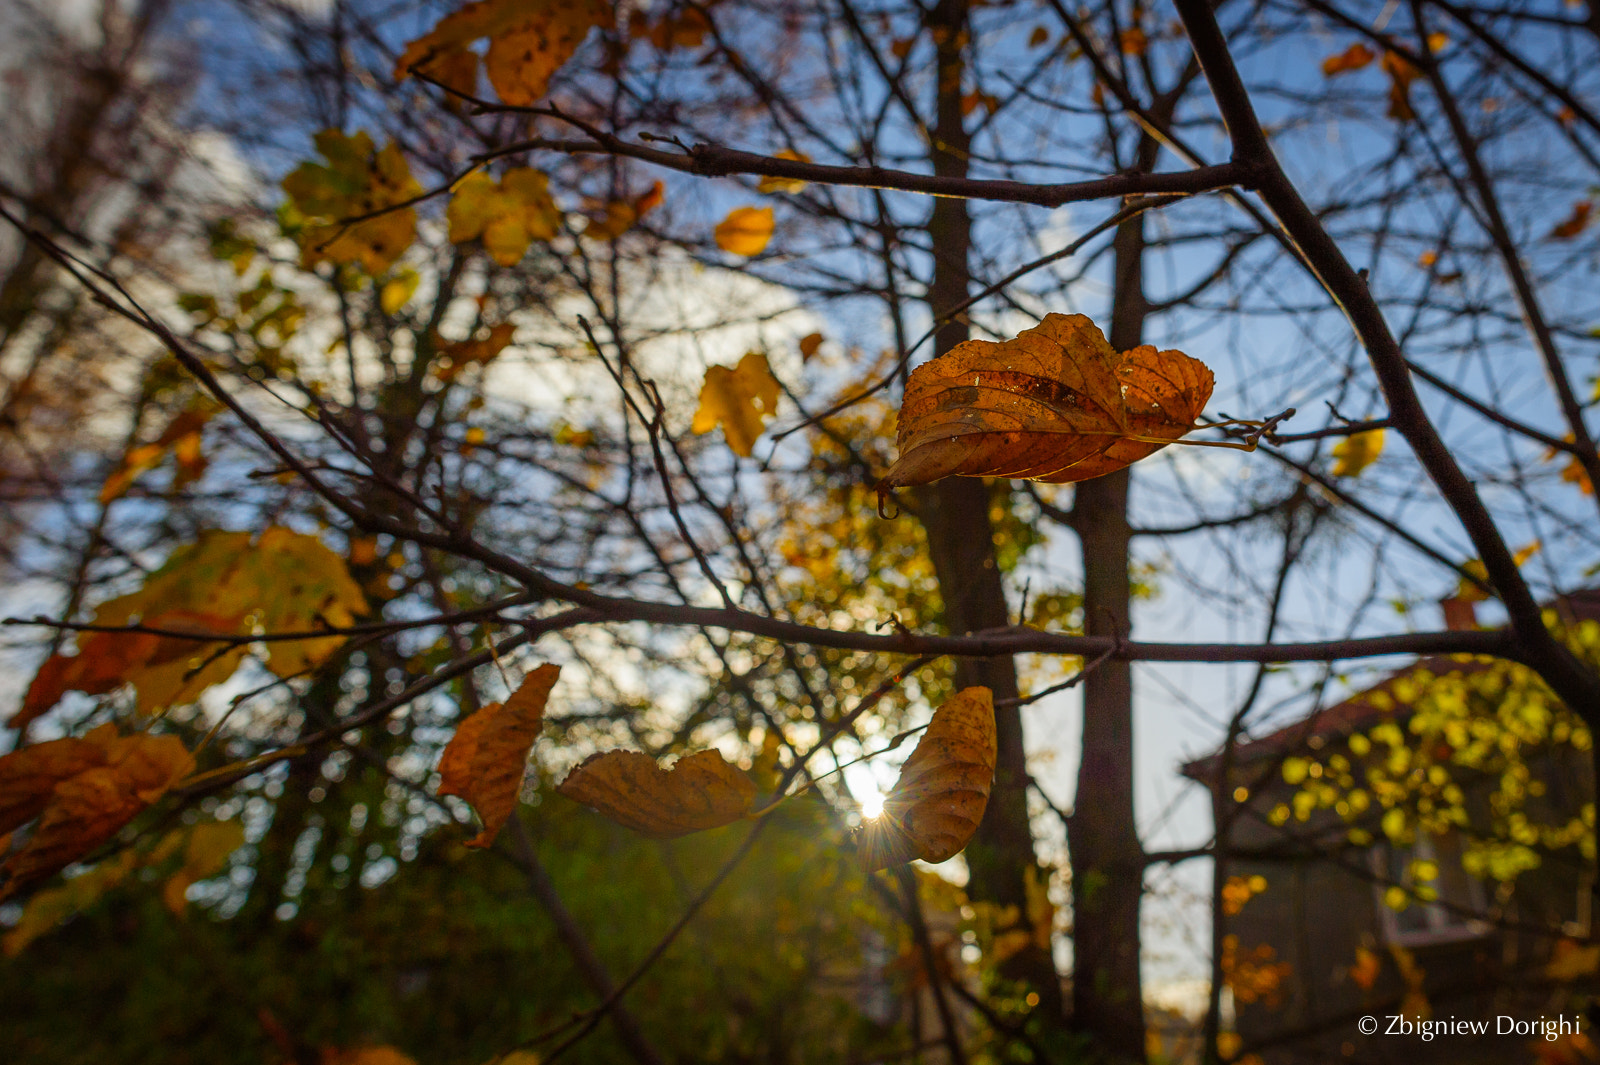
x=1430 y=866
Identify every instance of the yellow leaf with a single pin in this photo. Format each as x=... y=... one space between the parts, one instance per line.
x=398 y=290
x=529 y=40
x=701 y=791
x=205 y=854
x=1572 y=960
x=1355 y=453
x=356 y=180
x=1056 y=404
x=508 y=216
x=1355 y=57
x=745 y=231
x=770 y=185
x=485 y=760
x=1469 y=592
x=740 y=400
x=943 y=788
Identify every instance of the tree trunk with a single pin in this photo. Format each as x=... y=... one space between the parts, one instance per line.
x=955 y=513
x=1107 y=859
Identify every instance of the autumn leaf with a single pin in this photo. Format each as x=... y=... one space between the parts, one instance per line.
x=508 y=215
x=701 y=791
x=1364 y=973
x=1355 y=57
x=1056 y=404
x=181 y=437
x=528 y=42
x=1134 y=41
x=791 y=186
x=1356 y=452
x=398 y=290
x=365 y=1056
x=1469 y=592
x=457 y=357
x=740 y=400
x=619 y=216
x=1039 y=36
x=1575 y=223
x=809 y=345
x=356 y=180
x=485 y=760
x=682 y=27
x=1401 y=75
x=745 y=231
x=205 y=854
x=29 y=775
x=943 y=788
x=289 y=582
x=88 y=808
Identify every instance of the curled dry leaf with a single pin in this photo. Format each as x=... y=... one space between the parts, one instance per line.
x=1575 y=223
x=86 y=808
x=701 y=791
x=484 y=762
x=745 y=231
x=1056 y=404
x=1355 y=57
x=943 y=788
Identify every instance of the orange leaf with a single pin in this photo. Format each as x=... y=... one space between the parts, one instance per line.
x=1401 y=75
x=1056 y=404
x=87 y=809
x=943 y=788
x=1355 y=57
x=809 y=345
x=1365 y=971
x=701 y=791
x=528 y=42
x=465 y=353
x=1135 y=41
x=1575 y=223
x=484 y=762
x=745 y=231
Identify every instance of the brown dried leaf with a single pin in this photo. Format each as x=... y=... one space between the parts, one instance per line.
x=87 y=809
x=484 y=762
x=1056 y=404
x=943 y=788
x=29 y=775
x=1575 y=223
x=701 y=791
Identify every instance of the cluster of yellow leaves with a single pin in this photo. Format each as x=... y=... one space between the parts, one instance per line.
x=355 y=181
x=740 y=399
x=746 y=231
x=1355 y=453
x=180 y=439
x=1489 y=721
x=528 y=43
x=222 y=585
x=82 y=791
x=509 y=214
x=942 y=791
x=1056 y=404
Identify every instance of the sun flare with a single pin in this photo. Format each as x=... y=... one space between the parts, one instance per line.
x=871 y=805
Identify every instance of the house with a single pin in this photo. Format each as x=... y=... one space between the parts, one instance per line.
x=1410 y=873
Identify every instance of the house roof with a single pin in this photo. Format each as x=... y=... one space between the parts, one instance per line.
x=1365 y=707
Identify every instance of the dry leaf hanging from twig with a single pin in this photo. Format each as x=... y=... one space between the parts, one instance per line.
x=943 y=788
x=1056 y=404
x=701 y=791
